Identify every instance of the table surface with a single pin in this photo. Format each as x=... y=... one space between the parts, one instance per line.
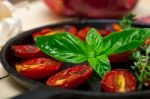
x=8 y=87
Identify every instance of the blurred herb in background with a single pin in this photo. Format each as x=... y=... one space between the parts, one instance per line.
x=127 y=21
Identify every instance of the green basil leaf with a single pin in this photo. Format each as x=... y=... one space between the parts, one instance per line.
x=119 y=42
x=94 y=41
x=100 y=65
x=63 y=46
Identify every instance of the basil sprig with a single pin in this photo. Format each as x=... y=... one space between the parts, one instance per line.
x=63 y=46
x=66 y=47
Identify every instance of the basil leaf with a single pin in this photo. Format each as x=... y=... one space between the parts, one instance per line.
x=100 y=64
x=94 y=41
x=63 y=46
x=119 y=42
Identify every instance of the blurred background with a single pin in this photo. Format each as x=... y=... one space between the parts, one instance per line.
x=66 y=9
x=49 y=11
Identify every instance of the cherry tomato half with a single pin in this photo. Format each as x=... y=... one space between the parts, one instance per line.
x=148 y=83
x=121 y=57
x=119 y=81
x=70 y=28
x=38 y=68
x=42 y=32
x=45 y=32
x=27 y=51
x=117 y=27
x=147 y=41
x=104 y=32
x=67 y=28
x=83 y=32
x=71 y=77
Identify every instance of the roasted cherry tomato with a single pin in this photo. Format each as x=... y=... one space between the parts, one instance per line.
x=147 y=41
x=45 y=32
x=104 y=32
x=121 y=57
x=148 y=83
x=27 y=51
x=83 y=32
x=42 y=32
x=70 y=28
x=71 y=77
x=38 y=68
x=117 y=27
x=119 y=81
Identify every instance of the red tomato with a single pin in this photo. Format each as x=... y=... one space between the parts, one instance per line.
x=71 y=77
x=70 y=28
x=104 y=32
x=148 y=83
x=56 y=5
x=45 y=31
x=27 y=51
x=119 y=81
x=117 y=27
x=38 y=68
x=147 y=41
x=83 y=32
x=121 y=57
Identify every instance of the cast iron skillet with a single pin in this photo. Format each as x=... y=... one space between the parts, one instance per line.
x=8 y=61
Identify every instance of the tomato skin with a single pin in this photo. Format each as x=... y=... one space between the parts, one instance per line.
x=117 y=27
x=67 y=28
x=42 y=32
x=38 y=68
x=119 y=81
x=104 y=32
x=71 y=77
x=148 y=83
x=83 y=33
x=121 y=57
x=147 y=41
x=27 y=51
x=45 y=32
x=70 y=28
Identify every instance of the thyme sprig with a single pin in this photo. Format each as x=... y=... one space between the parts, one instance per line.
x=127 y=21
x=141 y=67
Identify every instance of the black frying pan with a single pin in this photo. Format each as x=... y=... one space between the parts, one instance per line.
x=45 y=92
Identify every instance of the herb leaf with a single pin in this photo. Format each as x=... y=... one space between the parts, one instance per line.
x=100 y=64
x=119 y=42
x=94 y=41
x=141 y=67
x=63 y=46
x=127 y=21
